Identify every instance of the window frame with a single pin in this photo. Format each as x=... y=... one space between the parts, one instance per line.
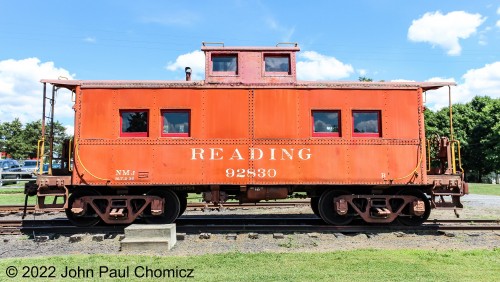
x=184 y=135
x=326 y=134
x=134 y=134
x=367 y=134
x=277 y=73
x=223 y=73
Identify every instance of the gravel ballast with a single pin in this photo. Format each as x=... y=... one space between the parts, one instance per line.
x=476 y=207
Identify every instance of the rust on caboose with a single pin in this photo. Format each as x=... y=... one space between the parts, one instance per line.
x=249 y=131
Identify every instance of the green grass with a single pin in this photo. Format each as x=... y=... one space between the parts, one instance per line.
x=358 y=265
x=15 y=199
x=484 y=189
x=11 y=190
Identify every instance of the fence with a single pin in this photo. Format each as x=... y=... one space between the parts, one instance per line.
x=16 y=179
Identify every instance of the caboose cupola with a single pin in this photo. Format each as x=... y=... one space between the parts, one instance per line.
x=250 y=65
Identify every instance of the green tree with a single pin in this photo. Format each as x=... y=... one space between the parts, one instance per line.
x=12 y=135
x=365 y=79
x=21 y=142
x=477 y=126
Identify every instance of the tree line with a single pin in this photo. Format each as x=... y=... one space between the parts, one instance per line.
x=476 y=125
x=21 y=141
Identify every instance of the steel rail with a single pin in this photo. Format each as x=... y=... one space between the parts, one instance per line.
x=196 y=224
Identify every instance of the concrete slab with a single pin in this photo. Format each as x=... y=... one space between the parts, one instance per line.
x=150 y=230
x=154 y=237
x=145 y=244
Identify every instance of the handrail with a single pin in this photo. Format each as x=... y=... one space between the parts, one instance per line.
x=295 y=44
x=212 y=43
x=459 y=156
x=40 y=154
x=69 y=155
x=452 y=138
x=428 y=155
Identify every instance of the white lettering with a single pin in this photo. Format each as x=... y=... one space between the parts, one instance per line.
x=307 y=156
x=215 y=154
x=237 y=155
x=252 y=153
x=199 y=153
x=272 y=154
x=125 y=172
x=251 y=173
x=285 y=152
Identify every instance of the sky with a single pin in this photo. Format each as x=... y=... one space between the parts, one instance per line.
x=448 y=40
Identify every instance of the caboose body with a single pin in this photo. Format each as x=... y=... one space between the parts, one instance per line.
x=251 y=132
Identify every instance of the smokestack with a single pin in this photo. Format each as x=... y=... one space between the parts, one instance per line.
x=188 y=73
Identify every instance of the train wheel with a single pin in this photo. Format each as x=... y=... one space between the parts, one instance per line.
x=90 y=217
x=327 y=211
x=314 y=205
x=183 y=203
x=406 y=218
x=171 y=208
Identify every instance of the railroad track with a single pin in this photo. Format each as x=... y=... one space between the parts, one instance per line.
x=238 y=224
x=191 y=206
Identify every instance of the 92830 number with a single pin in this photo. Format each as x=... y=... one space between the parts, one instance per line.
x=242 y=173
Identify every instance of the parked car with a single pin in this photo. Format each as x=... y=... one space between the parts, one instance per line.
x=9 y=169
x=30 y=167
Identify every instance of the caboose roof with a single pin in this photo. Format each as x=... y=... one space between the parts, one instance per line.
x=120 y=84
x=247 y=67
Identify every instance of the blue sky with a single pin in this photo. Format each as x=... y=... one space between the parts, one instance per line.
x=154 y=40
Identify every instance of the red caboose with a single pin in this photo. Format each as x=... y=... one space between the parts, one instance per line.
x=250 y=131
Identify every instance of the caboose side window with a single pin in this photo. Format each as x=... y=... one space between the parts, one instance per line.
x=134 y=123
x=176 y=123
x=224 y=63
x=277 y=63
x=326 y=123
x=366 y=124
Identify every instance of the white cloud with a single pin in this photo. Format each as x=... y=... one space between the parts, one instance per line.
x=286 y=32
x=314 y=66
x=483 y=81
x=498 y=10
x=70 y=129
x=362 y=72
x=437 y=99
x=498 y=24
x=367 y=126
x=21 y=90
x=90 y=39
x=195 y=60
x=445 y=30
